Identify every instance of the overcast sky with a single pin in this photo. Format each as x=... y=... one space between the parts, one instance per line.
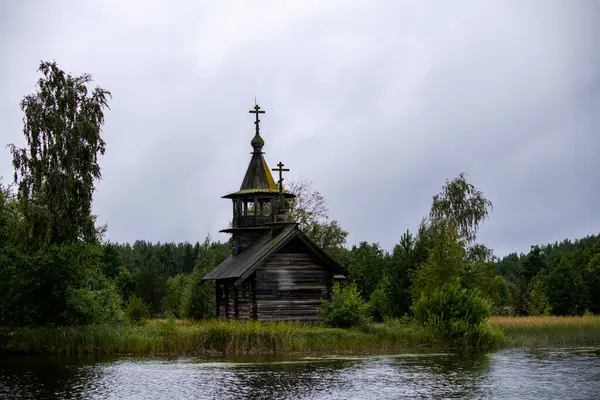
x=376 y=102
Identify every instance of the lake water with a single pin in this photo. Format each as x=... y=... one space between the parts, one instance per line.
x=507 y=374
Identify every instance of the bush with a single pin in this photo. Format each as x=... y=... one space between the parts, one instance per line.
x=60 y=285
x=537 y=302
x=85 y=306
x=380 y=305
x=176 y=287
x=457 y=316
x=137 y=311
x=124 y=284
x=345 y=309
x=198 y=299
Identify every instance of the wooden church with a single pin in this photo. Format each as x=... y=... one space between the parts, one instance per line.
x=275 y=271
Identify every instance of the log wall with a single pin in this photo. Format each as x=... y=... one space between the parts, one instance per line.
x=244 y=305
x=291 y=286
x=235 y=302
x=222 y=292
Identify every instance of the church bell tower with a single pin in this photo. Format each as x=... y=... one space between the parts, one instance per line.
x=261 y=204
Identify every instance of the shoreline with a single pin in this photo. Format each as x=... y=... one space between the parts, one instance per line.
x=230 y=338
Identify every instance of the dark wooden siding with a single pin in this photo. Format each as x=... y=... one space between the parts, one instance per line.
x=290 y=286
x=242 y=240
x=244 y=310
x=221 y=289
x=231 y=303
x=235 y=302
x=226 y=298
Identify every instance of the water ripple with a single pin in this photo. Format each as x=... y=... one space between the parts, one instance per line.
x=548 y=373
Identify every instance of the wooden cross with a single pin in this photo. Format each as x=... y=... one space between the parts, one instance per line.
x=281 y=170
x=256 y=111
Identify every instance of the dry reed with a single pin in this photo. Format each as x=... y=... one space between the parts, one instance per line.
x=544 y=331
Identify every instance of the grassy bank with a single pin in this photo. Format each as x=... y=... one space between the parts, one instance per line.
x=219 y=337
x=549 y=331
x=222 y=337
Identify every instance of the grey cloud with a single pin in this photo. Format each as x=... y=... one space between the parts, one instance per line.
x=376 y=102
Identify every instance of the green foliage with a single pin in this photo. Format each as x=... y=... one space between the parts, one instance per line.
x=482 y=276
x=56 y=172
x=537 y=301
x=509 y=267
x=345 y=309
x=567 y=289
x=461 y=202
x=112 y=260
x=198 y=301
x=533 y=263
x=380 y=303
x=53 y=285
x=151 y=284
x=199 y=298
x=457 y=315
x=592 y=271
x=85 y=306
x=10 y=217
x=176 y=287
x=137 y=311
x=329 y=236
x=479 y=253
x=124 y=284
x=571 y=285
x=52 y=269
x=366 y=264
x=402 y=264
x=529 y=267
x=445 y=262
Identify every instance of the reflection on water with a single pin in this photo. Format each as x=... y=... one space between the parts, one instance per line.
x=541 y=374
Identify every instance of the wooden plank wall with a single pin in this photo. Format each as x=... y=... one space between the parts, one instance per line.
x=221 y=289
x=244 y=307
x=233 y=302
x=290 y=286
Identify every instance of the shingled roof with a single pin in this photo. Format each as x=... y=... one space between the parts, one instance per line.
x=244 y=264
x=258 y=178
x=258 y=175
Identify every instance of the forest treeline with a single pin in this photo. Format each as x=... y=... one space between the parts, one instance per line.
x=559 y=279
x=56 y=268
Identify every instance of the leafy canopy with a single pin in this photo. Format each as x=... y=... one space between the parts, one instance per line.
x=56 y=171
x=462 y=202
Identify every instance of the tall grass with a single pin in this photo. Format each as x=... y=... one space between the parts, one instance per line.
x=549 y=331
x=230 y=337
x=222 y=337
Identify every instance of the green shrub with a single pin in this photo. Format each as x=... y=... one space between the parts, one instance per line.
x=85 y=306
x=458 y=316
x=175 y=290
x=380 y=304
x=124 y=284
x=537 y=302
x=345 y=309
x=137 y=311
x=60 y=285
x=198 y=299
